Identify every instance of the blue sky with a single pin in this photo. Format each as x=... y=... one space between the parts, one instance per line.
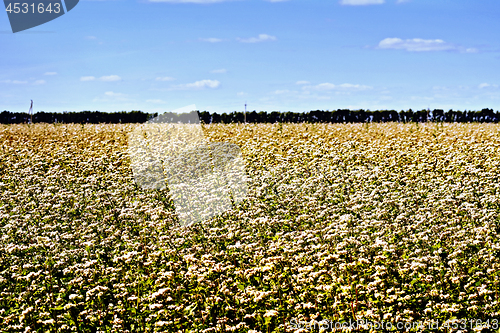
x=295 y=55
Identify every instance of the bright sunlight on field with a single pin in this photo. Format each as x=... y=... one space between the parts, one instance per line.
x=381 y=222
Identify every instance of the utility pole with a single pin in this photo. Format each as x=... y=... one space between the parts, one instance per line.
x=245 y=112
x=31 y=112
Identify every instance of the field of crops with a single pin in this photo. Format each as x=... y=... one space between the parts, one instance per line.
x=375 y=222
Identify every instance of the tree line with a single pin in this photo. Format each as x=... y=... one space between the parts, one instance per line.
x=83 y=117
x=317 y=116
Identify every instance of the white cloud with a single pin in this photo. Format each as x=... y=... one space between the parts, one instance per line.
x=241 y=93
x=260 y=38
x=165 y=78
x=35 y=82
x=415 y=44
x=471 y=50
x=324 y=86
x=422 y=45
x=354 y=86
x=113 y=94
x=91 y=37
x=212 y=84
x=487 y=85
x=344 y=86
x=211 y=40
x=219 y=71
x=302 y=82
x=50 y=73
x=110 y=78
x=361 y=2
x=276 y=0
x=281 y=92
x=14 y=81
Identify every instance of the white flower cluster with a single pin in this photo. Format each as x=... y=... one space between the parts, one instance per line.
x=375 y=222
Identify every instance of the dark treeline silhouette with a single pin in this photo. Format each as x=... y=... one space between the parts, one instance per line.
x=353 y=116
x=89 y=117
x=318 y=116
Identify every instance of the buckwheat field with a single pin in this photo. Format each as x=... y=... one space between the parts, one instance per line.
x=376 y=222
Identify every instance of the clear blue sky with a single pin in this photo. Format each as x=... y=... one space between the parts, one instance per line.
x=295 y=55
